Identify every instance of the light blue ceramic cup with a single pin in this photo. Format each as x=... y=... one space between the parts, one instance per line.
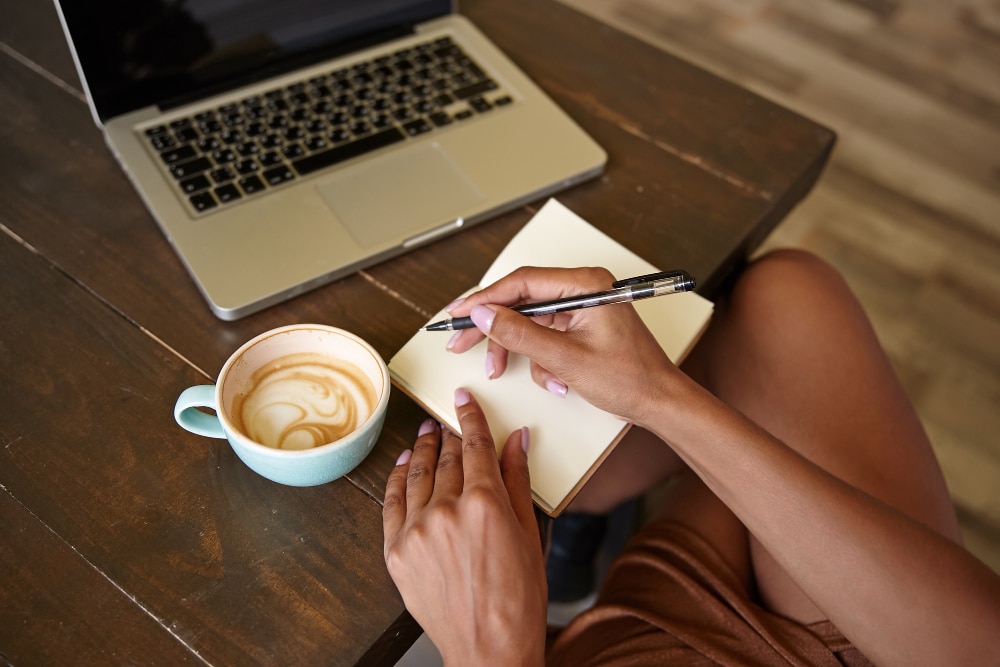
x=296 y=467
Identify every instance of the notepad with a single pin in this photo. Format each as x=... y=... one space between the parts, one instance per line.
x=569 y=437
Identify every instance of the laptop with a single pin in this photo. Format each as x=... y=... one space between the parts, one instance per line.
x=283 y=145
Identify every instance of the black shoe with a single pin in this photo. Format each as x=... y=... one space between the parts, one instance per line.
x=571 y=568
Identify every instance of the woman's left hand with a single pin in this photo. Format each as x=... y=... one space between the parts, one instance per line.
x=462 y=543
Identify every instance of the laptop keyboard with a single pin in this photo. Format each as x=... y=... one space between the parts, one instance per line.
x=220 y=156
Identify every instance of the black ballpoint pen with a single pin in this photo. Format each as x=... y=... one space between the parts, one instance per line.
x=622 y=291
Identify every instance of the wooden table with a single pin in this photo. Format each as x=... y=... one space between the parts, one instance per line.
x=128 y=540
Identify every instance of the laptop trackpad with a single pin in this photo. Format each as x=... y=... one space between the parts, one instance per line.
x=399 y=195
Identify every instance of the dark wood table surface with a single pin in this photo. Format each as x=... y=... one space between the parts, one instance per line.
x=128 y=540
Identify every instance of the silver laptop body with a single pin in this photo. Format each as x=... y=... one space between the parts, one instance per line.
x=326 y=209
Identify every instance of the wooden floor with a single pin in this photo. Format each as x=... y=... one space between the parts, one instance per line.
x=909 y=208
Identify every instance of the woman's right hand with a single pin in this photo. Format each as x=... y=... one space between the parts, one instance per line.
x=605 y=354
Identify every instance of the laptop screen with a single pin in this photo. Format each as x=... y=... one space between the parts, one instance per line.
x=137 y=53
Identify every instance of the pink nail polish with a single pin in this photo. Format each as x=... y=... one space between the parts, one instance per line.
x=491 y=365
x=557 y=388
x=451 y=341
x=462 y=397
x=525 y=439
x=454 y=304
x=426 y=427
x=404 y=457
x=482 y=317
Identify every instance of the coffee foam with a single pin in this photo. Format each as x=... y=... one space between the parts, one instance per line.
x=303 y=400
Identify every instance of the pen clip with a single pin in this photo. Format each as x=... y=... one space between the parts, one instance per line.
x=649 y=277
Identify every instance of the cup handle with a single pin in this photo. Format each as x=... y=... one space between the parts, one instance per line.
x=188 y=415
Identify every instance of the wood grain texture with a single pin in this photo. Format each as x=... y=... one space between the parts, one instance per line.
x=238 y=569
x=101 y=328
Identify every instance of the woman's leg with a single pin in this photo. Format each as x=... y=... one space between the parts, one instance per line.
x=793 y=350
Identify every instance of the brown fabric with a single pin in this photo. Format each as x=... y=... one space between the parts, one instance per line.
x=670 y=599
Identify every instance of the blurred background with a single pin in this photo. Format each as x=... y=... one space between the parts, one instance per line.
x=909 y=206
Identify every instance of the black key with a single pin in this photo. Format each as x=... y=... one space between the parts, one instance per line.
x=440 y=119
x=186 y=134
x=474 y=89
x=315 y=126
x=194 y=184
x=203 y=201
x=270 y=159
x=255 y=129
x=418 y=126
x=480 y=105
x=278 y=175
x=464 y=114
x=245 y=167
x=204 y=116
x=251 y=184
x=317 y=161
x=178 y=154
x=162 y=142
x=317 y=143
x=231 y=137
x=270 y=141
x=159 y=129
x=293 y=151
x=208 y=144
x=181 y=123
x=338 y=135
x=503 y=101
x=190 y=168
x=227 y=193
x=247 y=149
x=222 y=175
x=210 y=126
x=223 y=156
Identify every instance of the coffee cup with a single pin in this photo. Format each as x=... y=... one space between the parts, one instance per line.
x=301 y=405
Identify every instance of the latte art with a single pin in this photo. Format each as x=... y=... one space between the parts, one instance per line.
x=304 y=400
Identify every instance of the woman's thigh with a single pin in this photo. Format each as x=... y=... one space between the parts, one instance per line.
x=792 y=349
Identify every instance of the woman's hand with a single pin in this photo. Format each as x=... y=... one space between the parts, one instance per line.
x=605 y=354
x=462 y=543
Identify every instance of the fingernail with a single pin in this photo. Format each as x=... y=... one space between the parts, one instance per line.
x=426 y=427
x=454 y=304
x=451 y=341
x=525 y=439
x=482 y=317
x=462 y=397
x=557 y=388
x=404 y=457
x=491 y=365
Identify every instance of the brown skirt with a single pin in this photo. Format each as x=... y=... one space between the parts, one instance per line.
x=670 y=599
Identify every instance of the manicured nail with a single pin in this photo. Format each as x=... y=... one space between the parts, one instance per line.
x=482 y=317
x=451 y=341
x=454 y=304
x=491 y=365
x=525 y=439
x=462 y=397
x=557 y=388
x=426 y=427
x=404 y=457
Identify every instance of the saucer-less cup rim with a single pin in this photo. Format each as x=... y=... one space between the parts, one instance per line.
x=220 y=426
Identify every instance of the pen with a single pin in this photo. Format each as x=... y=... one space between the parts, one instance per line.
x=623 y=291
